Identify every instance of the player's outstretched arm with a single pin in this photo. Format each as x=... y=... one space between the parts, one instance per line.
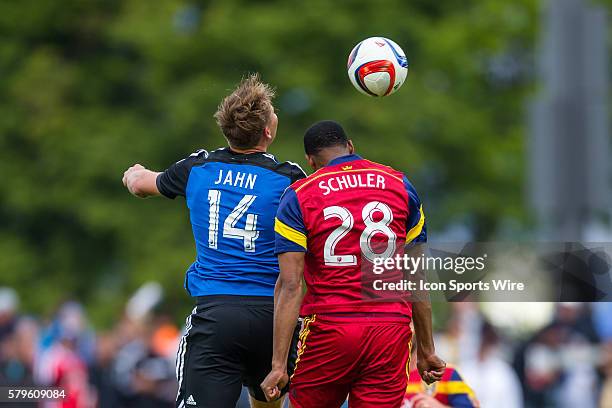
x=288 y=295
x=140 y=181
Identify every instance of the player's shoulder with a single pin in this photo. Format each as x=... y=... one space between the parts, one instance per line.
x=305 y=181
x=292 y=170
x=385 y=168
x=399 y=175
x=197 y=157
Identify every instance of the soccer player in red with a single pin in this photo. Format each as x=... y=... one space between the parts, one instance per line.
x=450 y=392
x=349 y=212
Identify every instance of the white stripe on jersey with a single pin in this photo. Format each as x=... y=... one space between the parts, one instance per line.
x=180 y=357
x=296 y=165
x=270 y=156
x=197 y=153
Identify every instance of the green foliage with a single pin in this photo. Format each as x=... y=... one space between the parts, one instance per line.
x=89 y=88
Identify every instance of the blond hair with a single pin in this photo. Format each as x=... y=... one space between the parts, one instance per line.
x=244 y=114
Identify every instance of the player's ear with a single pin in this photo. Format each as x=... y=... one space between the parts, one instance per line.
x=311 y=161
x=266 y=137
x=267 y=133
x=350 y=146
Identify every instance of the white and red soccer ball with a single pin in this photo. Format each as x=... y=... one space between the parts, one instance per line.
x=377 y=66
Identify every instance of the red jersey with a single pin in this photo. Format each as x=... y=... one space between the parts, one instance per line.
x=344 y=216
x=62 y=367
x=451 y=390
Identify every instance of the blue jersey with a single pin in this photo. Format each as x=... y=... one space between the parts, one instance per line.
x=232 y=200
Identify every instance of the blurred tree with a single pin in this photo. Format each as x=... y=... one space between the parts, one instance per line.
x=89 y=88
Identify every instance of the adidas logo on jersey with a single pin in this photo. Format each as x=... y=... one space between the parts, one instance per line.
x=191 y=401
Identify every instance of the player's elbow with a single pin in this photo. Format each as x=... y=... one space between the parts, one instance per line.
x=295 y=287
x=292 y=270
x=291 y=285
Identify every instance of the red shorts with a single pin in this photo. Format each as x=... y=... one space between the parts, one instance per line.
x=364 y=358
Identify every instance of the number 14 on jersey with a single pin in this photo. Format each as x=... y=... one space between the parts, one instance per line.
x=248 y=234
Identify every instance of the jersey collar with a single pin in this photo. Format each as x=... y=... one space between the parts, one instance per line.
x=247 y=155
x=344 y=159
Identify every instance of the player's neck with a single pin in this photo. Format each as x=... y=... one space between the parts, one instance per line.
x=330 y=156
x=256 y=149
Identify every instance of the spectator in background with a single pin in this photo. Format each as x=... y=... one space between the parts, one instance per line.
x=580 y=382
x=11 y=372
x=101 y=371
x=66 y=350
x=577 y=317
x=62 y=366
x=491 y=377
x=71 y=318
x=557 y=365
x=9 y=301
x=18 y=337
x=25 y=340
x=131 y=346
x=602 y=321
x=134 y=363
x=606 y=359
x=602 y=313
x=153 y=378
x=143 y=368
x=460 y=340
x=153 y=382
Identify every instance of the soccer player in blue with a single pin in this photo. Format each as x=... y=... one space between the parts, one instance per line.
x=232 y=194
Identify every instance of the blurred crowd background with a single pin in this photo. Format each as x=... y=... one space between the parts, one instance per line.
x=502 y=126
x=565 y=362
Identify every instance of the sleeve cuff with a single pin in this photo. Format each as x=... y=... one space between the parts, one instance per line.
x=289 y=233
x=418 y=228
x=161 y=189
x=284 y=245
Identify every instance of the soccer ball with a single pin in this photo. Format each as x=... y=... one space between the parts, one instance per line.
x=377 y=66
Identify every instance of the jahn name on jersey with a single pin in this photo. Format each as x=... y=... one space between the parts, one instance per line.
x=240 y=179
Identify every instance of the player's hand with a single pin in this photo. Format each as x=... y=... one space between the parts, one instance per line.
x=129 y=171
x=274 y=383
x=422 y=400
x=431 y=368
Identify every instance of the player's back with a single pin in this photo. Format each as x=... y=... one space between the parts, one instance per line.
x=353 y=211
x=232 y=199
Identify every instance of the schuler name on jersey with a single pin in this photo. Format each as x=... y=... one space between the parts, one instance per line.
x=232 y=200
x=359 y=180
